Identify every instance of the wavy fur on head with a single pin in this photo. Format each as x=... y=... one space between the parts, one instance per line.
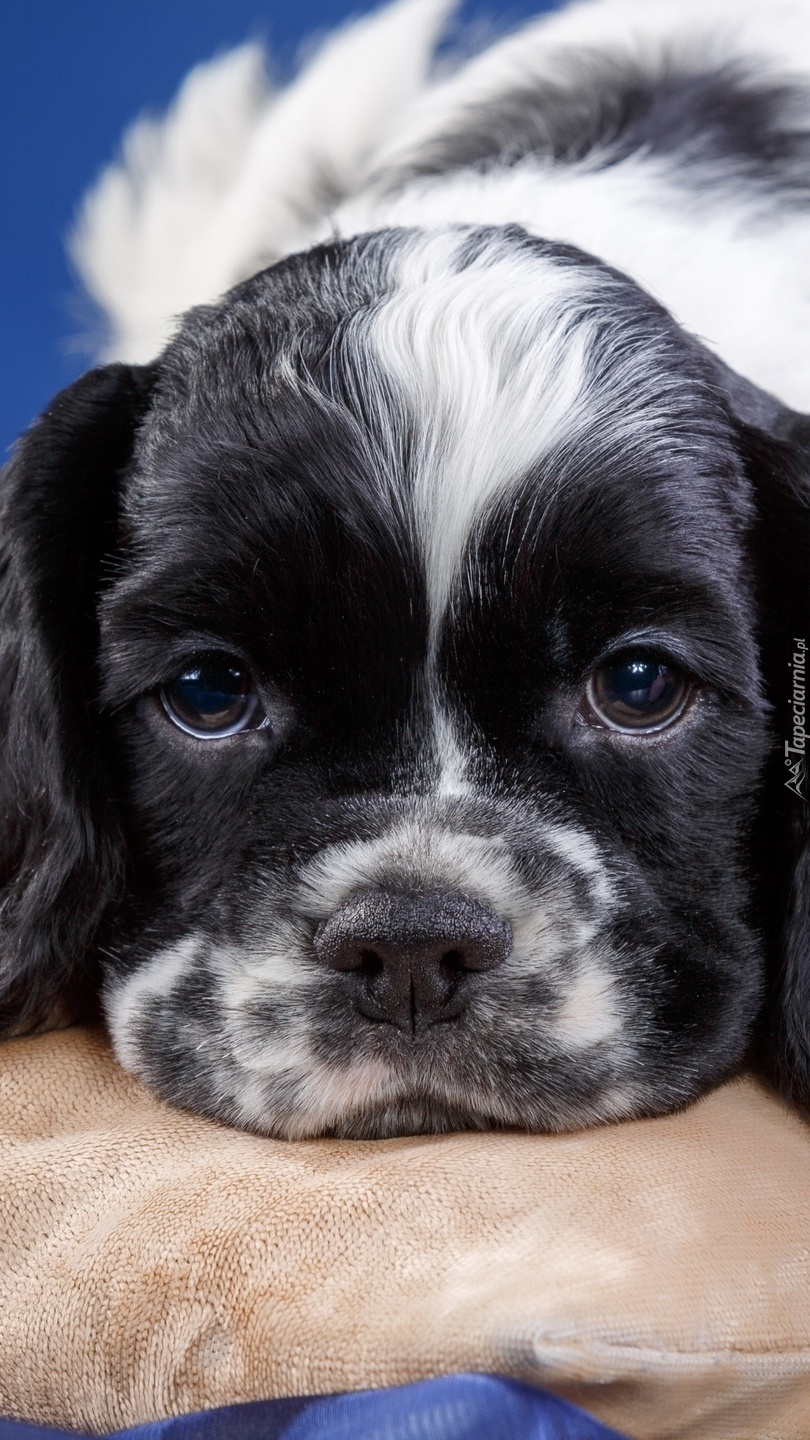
x=518 y=421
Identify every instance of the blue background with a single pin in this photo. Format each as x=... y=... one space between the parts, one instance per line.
x=73 y=73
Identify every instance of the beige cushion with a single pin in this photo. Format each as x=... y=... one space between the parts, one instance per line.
x=657 y=1273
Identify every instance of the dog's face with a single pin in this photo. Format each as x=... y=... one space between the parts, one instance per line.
x=422 y=631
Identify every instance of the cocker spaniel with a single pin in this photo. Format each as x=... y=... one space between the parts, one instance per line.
x=403 y=671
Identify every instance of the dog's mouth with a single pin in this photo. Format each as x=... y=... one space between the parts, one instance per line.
x=468 y=1072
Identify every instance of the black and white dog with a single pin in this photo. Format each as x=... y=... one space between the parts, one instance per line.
x=402 y=678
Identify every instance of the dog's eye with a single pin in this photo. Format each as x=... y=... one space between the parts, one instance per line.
x=214 y=697
x=637 y=694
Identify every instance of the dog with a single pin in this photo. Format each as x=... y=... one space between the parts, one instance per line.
x=403 y=668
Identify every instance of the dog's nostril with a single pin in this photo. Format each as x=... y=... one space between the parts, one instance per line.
x=409 y=955
x=454 y=960
x=369 y=963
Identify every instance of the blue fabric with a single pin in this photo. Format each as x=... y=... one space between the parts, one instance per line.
x=458 y=1407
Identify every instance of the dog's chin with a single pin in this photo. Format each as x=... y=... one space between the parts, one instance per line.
x=415 y=1112
x=415 y=1116
x=428 y=1115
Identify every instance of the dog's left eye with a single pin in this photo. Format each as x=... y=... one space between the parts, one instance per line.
x=214 y=697
x=637 y=694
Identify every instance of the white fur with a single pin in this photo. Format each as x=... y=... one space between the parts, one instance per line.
x=232 y=179
x=453 y=762
x=236 y=174
x=510 y=336
x=276 y=964
x=325 y=1094
x=276 y=960
x=412 y=851
x=708 y=257
x=729 y=267
x=125 y=999
x=425 y=850
x=458 y=345
x=578 y=849
x=135 y=240
x=591 y=1012
x=774 y=33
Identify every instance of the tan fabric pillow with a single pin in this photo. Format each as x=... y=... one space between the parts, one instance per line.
x=151 y=1263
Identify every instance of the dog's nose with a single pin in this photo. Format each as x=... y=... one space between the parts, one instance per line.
x=409 y=953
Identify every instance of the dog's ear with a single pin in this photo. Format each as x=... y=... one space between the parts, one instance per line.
x=60 y=854
x=775 y=444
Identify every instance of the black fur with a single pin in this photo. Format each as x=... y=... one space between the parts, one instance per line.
x=61 y=860
x=779 y=462
x=716 y=124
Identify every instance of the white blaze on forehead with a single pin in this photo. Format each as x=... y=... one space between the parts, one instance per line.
x=491 y=371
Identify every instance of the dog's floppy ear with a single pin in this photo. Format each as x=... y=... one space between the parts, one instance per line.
x=775 y=444
x=60 y=855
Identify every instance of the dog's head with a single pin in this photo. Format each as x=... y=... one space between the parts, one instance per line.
x=396 y=683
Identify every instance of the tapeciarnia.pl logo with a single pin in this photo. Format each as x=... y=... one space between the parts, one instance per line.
x=796 y=747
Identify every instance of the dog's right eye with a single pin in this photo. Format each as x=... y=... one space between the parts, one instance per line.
x=214 y=697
